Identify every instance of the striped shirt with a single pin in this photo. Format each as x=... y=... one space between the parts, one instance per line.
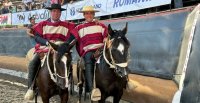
x=90 y=36
x=52 y=31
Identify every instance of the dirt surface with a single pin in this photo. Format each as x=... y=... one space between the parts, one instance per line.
x=15 y=63
x=146 y=89
x=11 y=93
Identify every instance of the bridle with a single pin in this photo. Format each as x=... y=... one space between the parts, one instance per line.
x=55 y=75
x=113 y=64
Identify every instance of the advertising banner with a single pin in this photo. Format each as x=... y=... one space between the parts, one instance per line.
x=5 y=19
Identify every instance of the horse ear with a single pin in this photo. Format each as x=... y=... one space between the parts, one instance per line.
x=124 y=31
x=110 y=31
x=54 y=46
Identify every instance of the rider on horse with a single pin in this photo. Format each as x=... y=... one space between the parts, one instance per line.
x=52 y=29
x=88 y=36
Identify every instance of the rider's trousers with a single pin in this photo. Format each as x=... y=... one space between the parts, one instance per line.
x=32 y=68
x=89 y=70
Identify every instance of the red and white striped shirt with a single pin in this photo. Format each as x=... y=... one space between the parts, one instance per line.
x=90 y=36
x=52 y=31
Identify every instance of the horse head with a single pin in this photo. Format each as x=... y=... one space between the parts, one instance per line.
x=59 y=67
x=118 y=50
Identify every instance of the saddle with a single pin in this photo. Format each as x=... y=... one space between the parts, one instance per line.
x=98 y=53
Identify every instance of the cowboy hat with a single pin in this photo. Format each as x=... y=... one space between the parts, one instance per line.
x=88 y=9
x=55 y=6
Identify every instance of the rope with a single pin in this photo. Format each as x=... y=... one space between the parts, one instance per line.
x=113 y=65
x=55 y=73
x=94 y=81
x=48 y=67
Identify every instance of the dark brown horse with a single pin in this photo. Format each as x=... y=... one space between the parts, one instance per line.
x=111 y=67
x=52 y=78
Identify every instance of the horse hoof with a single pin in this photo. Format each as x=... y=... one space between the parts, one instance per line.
x=29 y=95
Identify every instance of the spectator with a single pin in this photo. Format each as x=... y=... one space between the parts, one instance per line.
x=46 y=3
x=6 y=6
x=64 y=2
x=56 y=1
x=13 y=9
x=28 y=4
x=30 y=31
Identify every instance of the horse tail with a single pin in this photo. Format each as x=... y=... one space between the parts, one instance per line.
x=130 y=85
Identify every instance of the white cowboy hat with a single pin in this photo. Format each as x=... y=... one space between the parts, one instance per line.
x=88 y=9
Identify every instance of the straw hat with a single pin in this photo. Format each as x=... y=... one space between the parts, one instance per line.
x=88 y=9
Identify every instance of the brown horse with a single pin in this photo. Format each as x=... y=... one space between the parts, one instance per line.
x=111 y=68
x=52 y=78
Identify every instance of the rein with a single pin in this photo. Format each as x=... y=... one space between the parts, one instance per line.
x=113 y=64
x=55 y=74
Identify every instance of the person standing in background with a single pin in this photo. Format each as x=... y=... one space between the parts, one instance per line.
x=6 y=6
x=56 y=1
x=30 y=31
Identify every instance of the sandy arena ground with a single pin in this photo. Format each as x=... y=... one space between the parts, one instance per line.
x=147 y=89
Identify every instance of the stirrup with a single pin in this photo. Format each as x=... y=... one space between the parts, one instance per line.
x=96 y=94
x=29 y=94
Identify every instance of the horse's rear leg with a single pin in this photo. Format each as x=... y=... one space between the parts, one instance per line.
x=71 y=80
x=80 y=91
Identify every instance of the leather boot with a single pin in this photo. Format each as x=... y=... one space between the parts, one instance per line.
x=32 y=69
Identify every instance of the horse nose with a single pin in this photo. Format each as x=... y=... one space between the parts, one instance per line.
x=61 y=83
x=121 y=71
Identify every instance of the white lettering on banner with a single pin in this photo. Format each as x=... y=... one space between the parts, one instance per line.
x=119 y=6
x=127 y=2
x=106 y=7
x=72 y=9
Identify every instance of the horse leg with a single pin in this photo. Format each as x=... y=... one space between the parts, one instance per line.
x=64 y=96
x=80 y=92
x=117 y=96
x=71 y=82
x=45 y=97
x=103 y=98
x=36 y=94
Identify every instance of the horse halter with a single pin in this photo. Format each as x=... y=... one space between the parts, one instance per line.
x=113 y=64
x=55 y=75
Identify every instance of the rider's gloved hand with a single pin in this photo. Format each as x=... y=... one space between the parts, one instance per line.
x=62 y=49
